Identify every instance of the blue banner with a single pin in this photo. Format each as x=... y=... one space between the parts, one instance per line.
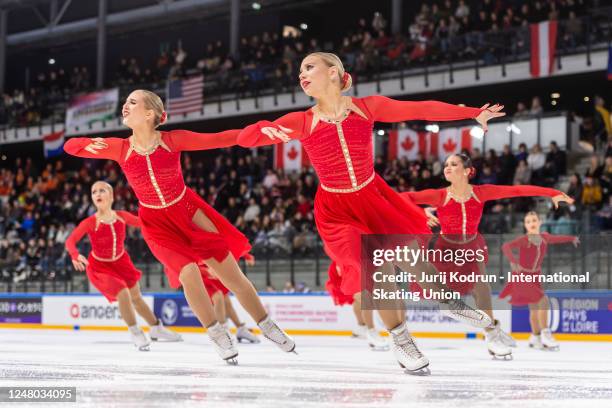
x=15 y=309
x=174 y=311
x=577 y=313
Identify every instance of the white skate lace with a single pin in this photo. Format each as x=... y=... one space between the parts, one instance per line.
x=406 y=345
x=462 y=309
x=221 y=337
x=272 y=332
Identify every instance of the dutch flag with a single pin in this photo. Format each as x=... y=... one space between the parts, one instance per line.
x=53 y=143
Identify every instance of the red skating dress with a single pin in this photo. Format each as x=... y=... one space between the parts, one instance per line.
x=166 y=205
x=531 y=256
x=459 y=220
x=352 y=200
x=333 y=285
x=110 y=268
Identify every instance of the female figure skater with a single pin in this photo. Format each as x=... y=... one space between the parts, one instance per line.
x=532 y=249
x=109 y=267
x=178 y=226
x=365 y=317
x=352 y=200
x=459 y=207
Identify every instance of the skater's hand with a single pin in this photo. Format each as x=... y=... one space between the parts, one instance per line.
x=489 y=113
x=562 y=198
x=80 y=263
x=515 y=267
x=576 y=242
x=249 y=260
x=96 y=144
x=432 y=220
x=274 y=133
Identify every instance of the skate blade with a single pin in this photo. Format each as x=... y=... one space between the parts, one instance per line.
x=144 y=348
x=247 y=341
x=501 y=357
x=379 y=348
x=551 y=349
x=167 y=340
x=231 y=361
x=422 y=371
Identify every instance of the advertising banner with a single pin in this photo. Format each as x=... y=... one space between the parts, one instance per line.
x=20 y=309
x=93 y=107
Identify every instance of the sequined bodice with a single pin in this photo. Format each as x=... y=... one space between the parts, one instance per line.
x=460 y=218
x=156 y=177
x=341 y=152
x=532 y=255
x=107 y=239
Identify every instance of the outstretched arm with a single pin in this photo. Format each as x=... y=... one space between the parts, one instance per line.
x=185 y=140
x=95 y=148
x=384 y=109
x=130 y=219
x=560 y=239
x=432 y=197
x=265 y=133
x=487 y=192
x=76 y=235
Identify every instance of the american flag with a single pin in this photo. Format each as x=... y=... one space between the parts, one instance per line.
x=185 y=95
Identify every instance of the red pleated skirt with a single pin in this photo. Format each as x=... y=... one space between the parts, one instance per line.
x=523 y=293
x=111 y=277
x=333 y=284
x=342 y=218
x=176 y=241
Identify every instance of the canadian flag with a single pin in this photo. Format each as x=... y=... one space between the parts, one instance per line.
x=450 y=141
x=406 y=143
x=543 y=47
x=290 y=156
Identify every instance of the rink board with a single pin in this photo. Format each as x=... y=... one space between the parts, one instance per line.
x=576 y=315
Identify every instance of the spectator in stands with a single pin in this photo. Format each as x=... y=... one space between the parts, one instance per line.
x=522 y=152
x=521 y=111
x=592 y=195
x=536 y=161
x=507 y=166
x=557 y=159
x=595 y=169
x=522 y=176
x=536 y=106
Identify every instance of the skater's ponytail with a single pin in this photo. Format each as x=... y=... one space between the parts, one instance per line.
x=153 y=101
x=345 y=80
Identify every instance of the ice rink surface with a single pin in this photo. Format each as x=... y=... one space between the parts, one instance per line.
x=328 y=372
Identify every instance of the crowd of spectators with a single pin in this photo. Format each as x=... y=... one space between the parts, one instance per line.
x=443 y=30
x=41 y=206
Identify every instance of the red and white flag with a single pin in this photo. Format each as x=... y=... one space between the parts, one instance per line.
x=543 y=47
x=450 y=141
x=406 y=143
x=290 y=156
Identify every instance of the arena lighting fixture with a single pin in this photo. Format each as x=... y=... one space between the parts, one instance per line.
x=380 y=132
x=51 y=61
x=304 y=26
x=514 y=129
x=433 y=128
x=477 y=132
x=256 y=6
x=555 y=95
x=586 y=99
